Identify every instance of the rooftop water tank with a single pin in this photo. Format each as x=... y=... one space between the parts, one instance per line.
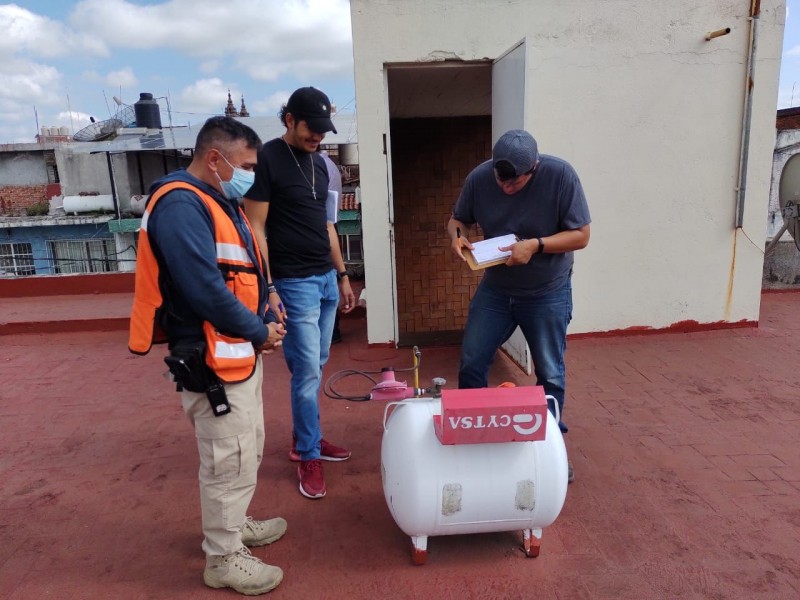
x=148 y=113
x=83 y=204
x=348 y=154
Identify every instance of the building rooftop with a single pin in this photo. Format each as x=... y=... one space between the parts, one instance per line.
x=183 y=138
x=686 y=450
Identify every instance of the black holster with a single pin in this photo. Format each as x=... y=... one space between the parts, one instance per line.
x=187 y=363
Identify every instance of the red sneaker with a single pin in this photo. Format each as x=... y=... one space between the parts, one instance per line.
x=312 y=481
x=327 y=451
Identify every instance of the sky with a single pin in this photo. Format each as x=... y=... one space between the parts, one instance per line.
x=64 y=61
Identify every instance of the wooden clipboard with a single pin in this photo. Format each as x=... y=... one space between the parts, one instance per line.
x=477 y=267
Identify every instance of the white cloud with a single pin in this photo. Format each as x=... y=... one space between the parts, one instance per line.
x=205 y=97
x=122 y=78
x=271 y=104
x=302 y=38
x=26 y=32
x=75 y=121
x=29 y=82
x=795 y=51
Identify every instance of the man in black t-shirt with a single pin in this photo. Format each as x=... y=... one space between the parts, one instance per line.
x=305 y=271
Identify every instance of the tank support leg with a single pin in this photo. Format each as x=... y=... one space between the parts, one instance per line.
x=531 y=542
x=419 y=549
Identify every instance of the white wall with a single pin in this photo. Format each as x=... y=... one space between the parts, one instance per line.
x=22 y=168
x=648 y=112
x=85 y=172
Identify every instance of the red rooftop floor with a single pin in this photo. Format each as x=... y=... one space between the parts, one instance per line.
x=686 y=450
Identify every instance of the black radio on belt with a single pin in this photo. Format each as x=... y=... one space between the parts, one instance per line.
x=218 y=399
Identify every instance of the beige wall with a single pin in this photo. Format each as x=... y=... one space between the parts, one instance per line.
x=648 y=112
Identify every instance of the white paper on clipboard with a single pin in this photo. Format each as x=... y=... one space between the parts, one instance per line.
x=487 y=251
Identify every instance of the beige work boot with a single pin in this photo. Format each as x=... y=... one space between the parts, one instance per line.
x=242 y=572
x=260 y=533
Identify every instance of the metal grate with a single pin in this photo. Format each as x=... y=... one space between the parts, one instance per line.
x=84 y=256
x=16 y=259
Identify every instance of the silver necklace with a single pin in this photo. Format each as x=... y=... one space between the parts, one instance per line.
x=313 y=175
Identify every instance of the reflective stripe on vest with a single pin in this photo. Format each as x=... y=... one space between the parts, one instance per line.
x=231 y=358
x=236 y=350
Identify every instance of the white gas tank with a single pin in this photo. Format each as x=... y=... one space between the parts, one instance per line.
x=435 y=489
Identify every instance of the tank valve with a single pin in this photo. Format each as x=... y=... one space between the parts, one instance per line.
x=436 y=388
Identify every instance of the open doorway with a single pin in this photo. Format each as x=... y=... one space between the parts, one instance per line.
x=440 y=129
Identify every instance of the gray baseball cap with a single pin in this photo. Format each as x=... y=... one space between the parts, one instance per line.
x=517 y=148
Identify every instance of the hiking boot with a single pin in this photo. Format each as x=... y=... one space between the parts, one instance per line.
x=327 y=451
x=570 y=472
x=242 y=572
x=312 y=480
x=260 y=533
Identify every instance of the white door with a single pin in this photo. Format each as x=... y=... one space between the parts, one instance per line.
x=508 y=112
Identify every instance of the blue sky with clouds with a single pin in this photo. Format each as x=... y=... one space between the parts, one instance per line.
x=789 y=94
x=68 y=59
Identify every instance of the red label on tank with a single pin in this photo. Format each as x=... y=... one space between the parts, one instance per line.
x=491 y=415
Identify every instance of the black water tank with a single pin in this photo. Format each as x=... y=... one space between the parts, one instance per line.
x=148 y=113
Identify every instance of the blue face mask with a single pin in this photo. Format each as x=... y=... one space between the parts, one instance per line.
x=240 y=182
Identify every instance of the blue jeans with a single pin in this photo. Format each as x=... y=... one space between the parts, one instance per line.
x=310 y=304
x=493 y=317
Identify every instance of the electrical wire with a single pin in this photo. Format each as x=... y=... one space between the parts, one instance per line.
x=331 y=392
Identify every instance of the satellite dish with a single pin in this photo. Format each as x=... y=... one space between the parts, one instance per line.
x=102 y=130
x=789 y=201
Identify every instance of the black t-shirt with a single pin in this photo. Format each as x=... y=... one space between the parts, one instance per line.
x=297 y=224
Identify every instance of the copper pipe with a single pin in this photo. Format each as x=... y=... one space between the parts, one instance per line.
x=718 y=33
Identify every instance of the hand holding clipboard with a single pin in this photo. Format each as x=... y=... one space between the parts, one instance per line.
x=487 y=253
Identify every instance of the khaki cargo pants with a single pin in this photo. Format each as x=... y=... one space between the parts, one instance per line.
x=231 y=447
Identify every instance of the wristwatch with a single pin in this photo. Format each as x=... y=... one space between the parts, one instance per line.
x=341 y=275
x=540 y=250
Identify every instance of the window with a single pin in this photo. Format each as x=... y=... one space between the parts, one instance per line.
x=52 y=167
x=16 y=259
x=350 y=245
x=84 y=256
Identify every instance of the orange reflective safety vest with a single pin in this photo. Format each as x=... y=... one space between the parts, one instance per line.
x=232 y=359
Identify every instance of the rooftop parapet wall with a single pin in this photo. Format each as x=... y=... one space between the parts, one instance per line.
x=65 y=285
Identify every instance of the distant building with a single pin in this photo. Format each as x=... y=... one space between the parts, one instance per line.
x=230 y=109
x=75 y=207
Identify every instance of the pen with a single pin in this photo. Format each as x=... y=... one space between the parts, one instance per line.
x=280 y=305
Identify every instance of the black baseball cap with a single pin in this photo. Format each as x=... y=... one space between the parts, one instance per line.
x=312 y=106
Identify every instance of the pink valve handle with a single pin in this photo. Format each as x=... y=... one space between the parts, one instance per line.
x=390 y=389
x=394 y=390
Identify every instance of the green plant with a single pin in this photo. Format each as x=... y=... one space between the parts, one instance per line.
x=38 y=209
